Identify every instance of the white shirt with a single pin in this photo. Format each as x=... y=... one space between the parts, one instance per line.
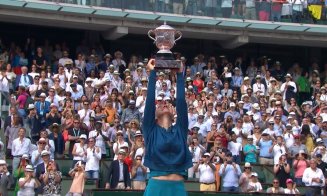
x=289 y=139
x=118 y=145
x=247 y=127
x=207 y=175
x=82 y=113
x=309 y=173
x=192 y=120
x=4 y=84
x=278 y=151
x=258 y=87
x=196 y=153
x=99 y=141
x=92 y=159
x=139 y=103
x=203 y=128
x=37 y=161
x=234 y=147
x=19 y=147
x=283 y=88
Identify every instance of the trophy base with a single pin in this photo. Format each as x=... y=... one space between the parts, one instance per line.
x=166 y=61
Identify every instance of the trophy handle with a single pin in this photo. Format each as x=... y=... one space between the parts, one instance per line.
x=179 y=35
x=149 y=34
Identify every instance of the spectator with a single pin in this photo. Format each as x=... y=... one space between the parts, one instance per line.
x=52 y=180
x=28 y=183
x=116 y=179
x=321 y=164
x=79 y=150
x=266 y=147
x=93 y=157
x=196 y=150
x=206 y=173
x=235 y=148
x=250 y=150
x=36 y=154
x=275 y=189
x=230 y=172
x=100 y=134
x=313 y=178
x=138 y=174
x=254 y=184
x=21 y=145
x=74 y=134
x=20 y=171
x=24 y=79
x=291 y=188
x=279 y=149
x=282 y=171
x=6 y=179
x=58 y=140
x=130 y=113
x=78 y=175
x=245 y=177
x=300 y=163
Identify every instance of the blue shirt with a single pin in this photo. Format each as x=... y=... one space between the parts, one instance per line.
x=250 y=151
x=264 y=148
x=230 y=175
x=166 y=149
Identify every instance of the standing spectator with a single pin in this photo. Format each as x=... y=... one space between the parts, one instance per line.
x=275 y=189
x=230 y=172
x=34 y=122
x=300 y=163
x=24 y=79
x=22 y=99
x=58 y=140
x=79 y=150
x=119 y=142
x=6 y=179
x=28 y=183
x=78 y=175
x=250 y=11
x=206 y=173
x=321 y=164
x=288 y=88
x=282 y=171
x=36 y=154
x=279 y=149
x=52 y=180
x=93 y=157
x=118 y=175
x=100 y=136
x=313 y=178
x=291 y=188
x=245 y=177
x=235 y=148
x=266 y=147
x=250 y=150
x=138 y=174
x=178 y=7
x=42 y=108
x=131 y=113
x=86 y=113
x=74 y=134
x=196 y=150
x=11 y=133
x=20 y=146
x=20 y=171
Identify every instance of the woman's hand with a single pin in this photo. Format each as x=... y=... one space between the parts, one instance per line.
x=151 y=64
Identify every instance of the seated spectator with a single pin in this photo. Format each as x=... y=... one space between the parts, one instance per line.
x=78 y=175
x=93 y=157
x=245 y=177
x=28 y=183
x=291 y=188
x=52 y=180
x=138 y=174
x=254 y=184
x=275 y=189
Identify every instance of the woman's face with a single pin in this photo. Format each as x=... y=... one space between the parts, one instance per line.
x=8 y=66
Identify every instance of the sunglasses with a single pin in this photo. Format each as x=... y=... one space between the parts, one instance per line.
x=133 y=123
x=247 y=167
x=91 y=141
x=276 y=182
x=139 y=159
x=76 y=122
x=42 y=143
x=271 y=123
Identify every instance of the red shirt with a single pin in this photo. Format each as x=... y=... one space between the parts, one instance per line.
x=129 y=162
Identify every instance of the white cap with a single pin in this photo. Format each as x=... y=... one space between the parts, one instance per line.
x=206 y=154
x=122 y=151
x=250 y=113
x=75 y=76
x=318 y=140
x=43 y=95
x=292 y=113
x=25 y=156
x=124 y=146
x=88 y=79
x=166 y=98
x=288 y=76
x=31 y=106
x=116 y=72
x=53 y=105
x=247 y=164
x=120 y=132
x=214 y=113
x=159 y=98
x=241 y=102
x=250 y=137
x=2 y=162
x=29 y=168
x=254 y=174
x=45 y=152
x=256 y=106
x=271 y=121
x=138 y=133
x=144 y=89
x=246 y=78
x=83 y=136
x=161 y=93
x=232 y=104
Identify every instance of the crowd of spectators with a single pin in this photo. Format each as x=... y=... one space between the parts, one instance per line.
x=89 y=107
x=297 y=11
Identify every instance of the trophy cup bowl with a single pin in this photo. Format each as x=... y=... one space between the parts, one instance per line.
x=165 y=38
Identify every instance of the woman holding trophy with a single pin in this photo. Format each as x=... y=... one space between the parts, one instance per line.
x=166 y=155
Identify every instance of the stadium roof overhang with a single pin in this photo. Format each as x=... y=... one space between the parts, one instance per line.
x=115 y=23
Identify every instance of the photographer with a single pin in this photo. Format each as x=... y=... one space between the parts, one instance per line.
x=6 y=179
x=78 y=175
x=206 y=173
x=28 y=183
x=282 y=170
x=52 y=180
x=230 y=172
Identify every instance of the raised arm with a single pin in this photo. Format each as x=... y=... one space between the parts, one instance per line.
x=181 y=107
x=150 y=107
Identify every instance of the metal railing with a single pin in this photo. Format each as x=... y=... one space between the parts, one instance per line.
x=296 y=11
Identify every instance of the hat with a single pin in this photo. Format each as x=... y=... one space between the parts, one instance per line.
x=232 y=104
x=43 y=95
x=127 y=70
x=195 y=127
x=116 y=72
x=159 y=98
x=161 y=93
x=107 y=55
x=288 y=125
x=256 y=106
x=278 y=102
x=31 y=106
x=25 y=156
x=120 y=132
x=161 y=74
x=45 y=153
x=241 y=102
x=272 y=80
x=99 y=121
x=83 y=136
x=250 y=113
x=124 y=146
x=131 y=92
x=122 y=151
x=214 y=113
x=265 y=134
x=198 y=73
x=167 y=99
x=254 y=174
x=289 y=181
x=319 y=140
x=258 y=77
x=138 y=133
x=303 y=153
x=53 y=105
x=206 y=154
x=278 y=92
x=88 y=80
x=247 y=164
x=44 y=82
x=277 y=63
x=250 y=137
x=144 y=79
x=29 y=168
x=319 y=155
x=246 y=78
x=131 y=102
x=288 y=76
x=2 y=162
x=188 y=79
x=236 y=69
x=42 y=139
x=292 y=113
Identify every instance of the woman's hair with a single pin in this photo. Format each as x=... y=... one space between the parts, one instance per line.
x=305 y=130
x=136 y=122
